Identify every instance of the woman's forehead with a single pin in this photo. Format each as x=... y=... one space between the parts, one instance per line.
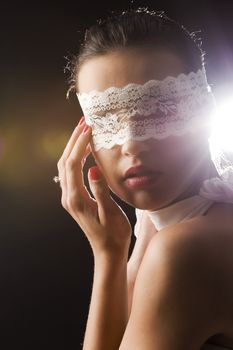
x=121 y=67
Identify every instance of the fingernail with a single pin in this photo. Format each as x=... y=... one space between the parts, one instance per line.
x=86 y=128
x=94 y=173
x=81 y=121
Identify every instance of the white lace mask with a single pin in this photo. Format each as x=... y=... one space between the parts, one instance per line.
x=156 y=109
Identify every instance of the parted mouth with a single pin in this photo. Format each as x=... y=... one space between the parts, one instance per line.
x=138 y=171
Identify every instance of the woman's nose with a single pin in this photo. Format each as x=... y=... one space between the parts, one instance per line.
x=134 y=148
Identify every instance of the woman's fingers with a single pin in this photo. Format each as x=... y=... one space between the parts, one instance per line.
x=86 y=154
x=73 y=139
x=68 y=164
x=77 y=195
x=100 y=190
x=65 y=154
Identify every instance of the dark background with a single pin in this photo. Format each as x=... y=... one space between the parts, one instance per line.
x=45 y=261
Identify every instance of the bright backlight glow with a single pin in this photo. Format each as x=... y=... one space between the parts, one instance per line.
x=222 y=127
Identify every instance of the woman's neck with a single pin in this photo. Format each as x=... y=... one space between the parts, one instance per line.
x=207 y=171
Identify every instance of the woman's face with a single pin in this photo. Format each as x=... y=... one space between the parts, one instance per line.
x=164 y=171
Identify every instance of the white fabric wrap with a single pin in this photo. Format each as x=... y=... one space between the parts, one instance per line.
x=213 y=190
x=218 y=190
x=156 y=109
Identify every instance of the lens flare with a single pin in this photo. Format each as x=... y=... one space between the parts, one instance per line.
x=222 y=127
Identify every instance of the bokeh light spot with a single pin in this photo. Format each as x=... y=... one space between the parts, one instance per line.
x=52 y=143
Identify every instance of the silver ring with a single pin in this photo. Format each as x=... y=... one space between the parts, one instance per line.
x=57 y=179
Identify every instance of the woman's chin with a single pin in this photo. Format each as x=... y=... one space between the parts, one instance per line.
x=145 y=202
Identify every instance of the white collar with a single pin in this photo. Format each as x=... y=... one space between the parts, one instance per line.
x=177 y=212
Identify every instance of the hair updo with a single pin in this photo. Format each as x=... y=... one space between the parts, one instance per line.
x=137 y=28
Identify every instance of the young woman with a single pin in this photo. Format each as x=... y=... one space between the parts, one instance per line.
x=141 y=83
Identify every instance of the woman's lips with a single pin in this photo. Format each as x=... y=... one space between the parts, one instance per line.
x=140 y=178
x=141 y=181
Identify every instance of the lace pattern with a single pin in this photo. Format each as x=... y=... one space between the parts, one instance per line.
x=155 y=109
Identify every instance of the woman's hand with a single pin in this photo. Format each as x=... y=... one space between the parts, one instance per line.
x=102 y=220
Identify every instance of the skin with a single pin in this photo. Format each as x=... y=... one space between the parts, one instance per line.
x=168 y=299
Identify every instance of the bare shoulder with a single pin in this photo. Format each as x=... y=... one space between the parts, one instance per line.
x=201 y=248
x=205 y=241
x=183 y=288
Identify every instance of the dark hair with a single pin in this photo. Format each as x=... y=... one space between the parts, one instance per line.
x=137 y=28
